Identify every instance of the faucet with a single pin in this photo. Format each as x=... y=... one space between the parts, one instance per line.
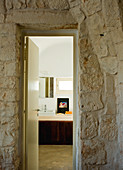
x=45 y=108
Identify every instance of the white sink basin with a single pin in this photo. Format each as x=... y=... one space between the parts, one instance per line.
x=47 y=113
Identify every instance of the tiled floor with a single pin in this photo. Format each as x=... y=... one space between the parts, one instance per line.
x=55 y=157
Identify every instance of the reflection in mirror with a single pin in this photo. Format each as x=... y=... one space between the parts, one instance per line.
x=46 y=87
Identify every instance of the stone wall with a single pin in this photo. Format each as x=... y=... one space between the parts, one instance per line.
x=99 y=25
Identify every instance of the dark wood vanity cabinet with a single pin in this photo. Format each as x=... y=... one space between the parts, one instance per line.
x=55 y=132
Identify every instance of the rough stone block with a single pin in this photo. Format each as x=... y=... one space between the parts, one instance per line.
x=111 y=46
x=9 y=82
x=9 y=155
x=111 y=13
x=109 y=64
x=100 y=46
x=9 y=128
x=120 y=72
x=83 y=33
x=13 y=4
x=10 y=123
x=2 y=69
x=11 y=69
x=59 y=4
x=40 y=3
x=84 y=45
x=111 y=104
x=42 y=17
x=2 y=8
x=91 y=167
x=89 y=64
x=6 y=139
x=92 y=6
x=7 y=48
x=9 y=109
x=117 y=35
x=93 y=152
x=108 y=128
x=7 y=30
x=103 y=45
x=121 y=94
x=2 y=106
x=119 y=50
x=77 y=13
x=74 y=3
x=36 y=3
x=95 y=24
x=90 y=102
x=91 y=82
x=110 y=89
x=89 y=126
x=8 y=95
x=1 y=18
x=8 y=4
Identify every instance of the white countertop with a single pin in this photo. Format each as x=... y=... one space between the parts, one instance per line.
x=56 y=118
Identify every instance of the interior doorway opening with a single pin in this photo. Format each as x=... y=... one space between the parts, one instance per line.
x=44 y=95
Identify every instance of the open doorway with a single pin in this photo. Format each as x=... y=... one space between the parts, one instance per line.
x=48 y=101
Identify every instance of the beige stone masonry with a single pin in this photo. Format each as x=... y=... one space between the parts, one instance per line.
x=100 y=76
x=92 y=6
x=109 y=64
x=83 y=31
x=2 y=68
x=111 y=104
x=2 y=8
x=9 y=109
x=62 y=5
x=9 y=82
x=94 y=152
x=40 y=17
x=74 y=3
x=110 y=84
x=90 y=126
x=119 y=49
x=121 y=95
x=110 y=95
x=108 y=128
x=12 y=68
x=1 y=18
x=78 y=13
x=111 y=14
x=117 y=35
x=7 y=48
x=7 y=30
x=91 y=101
x=91 y=82
x=9 y=156
x=37 y=4
x=9 y=95
x=120 y=71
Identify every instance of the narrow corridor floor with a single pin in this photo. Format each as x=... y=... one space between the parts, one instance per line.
x=55 y=157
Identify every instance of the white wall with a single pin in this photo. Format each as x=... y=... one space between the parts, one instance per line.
x=56 y=56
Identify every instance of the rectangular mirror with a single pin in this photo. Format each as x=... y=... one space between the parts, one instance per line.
x=46 y=87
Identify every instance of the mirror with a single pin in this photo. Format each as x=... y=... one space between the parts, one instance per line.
x=46 y=87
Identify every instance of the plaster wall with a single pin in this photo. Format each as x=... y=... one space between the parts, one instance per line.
x=56 y=56
x=100 y=80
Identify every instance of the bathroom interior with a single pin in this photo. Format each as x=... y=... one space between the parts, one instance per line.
x=55 y=113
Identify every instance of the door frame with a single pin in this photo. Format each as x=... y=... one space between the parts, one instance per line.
x=64 y=32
